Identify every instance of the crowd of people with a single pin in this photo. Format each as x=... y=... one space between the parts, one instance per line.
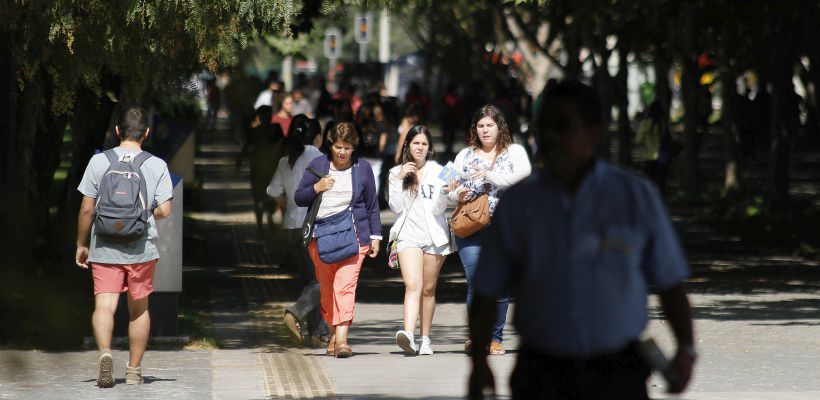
x=370 y=156
x=341 y=183
x=580 y=269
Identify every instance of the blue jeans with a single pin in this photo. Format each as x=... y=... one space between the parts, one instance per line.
x=468 y=250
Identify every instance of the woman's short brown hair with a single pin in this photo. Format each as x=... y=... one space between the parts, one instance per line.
x=504 y=138
x=343 y=131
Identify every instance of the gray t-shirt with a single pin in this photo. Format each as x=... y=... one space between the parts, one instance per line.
x=286 y=181
x=158 y=183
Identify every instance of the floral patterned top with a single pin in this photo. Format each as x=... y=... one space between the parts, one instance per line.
x=510 y=167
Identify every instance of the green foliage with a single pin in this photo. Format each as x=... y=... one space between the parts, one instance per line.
x=748 y=217
x=149 y=45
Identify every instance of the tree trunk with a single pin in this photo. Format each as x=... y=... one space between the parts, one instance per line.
x=573 y=48
x=812 y=128
x=602 y=82
x=8 y=130
x=731 y=182
x=38 y=147
x=782 y=91
x=784 y=106
x=690 y=172
x=662 y=93
x=624 y=127
x=92 y=119
x=48 y=150
x=29 y=109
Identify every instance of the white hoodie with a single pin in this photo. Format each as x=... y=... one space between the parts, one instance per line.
x=435 y=203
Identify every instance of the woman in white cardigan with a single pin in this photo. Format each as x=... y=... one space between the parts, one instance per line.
x=489 y=164
x=421 y=233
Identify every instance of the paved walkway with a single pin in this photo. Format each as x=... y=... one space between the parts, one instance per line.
x=757 y=323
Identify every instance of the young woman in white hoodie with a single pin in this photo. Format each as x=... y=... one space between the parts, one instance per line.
x=421 y=233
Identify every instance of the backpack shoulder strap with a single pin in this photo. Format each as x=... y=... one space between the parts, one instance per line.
x=111 y=155
x=140 y=159
x=136 y=163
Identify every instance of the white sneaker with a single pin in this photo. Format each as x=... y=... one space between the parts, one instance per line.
x=405 y=341
x=425 y=349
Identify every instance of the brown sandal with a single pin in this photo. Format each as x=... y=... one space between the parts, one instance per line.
x=496 y=349
x=331 y=347
x=343 y=351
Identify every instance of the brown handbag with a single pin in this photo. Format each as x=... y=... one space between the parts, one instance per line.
x=473 y=215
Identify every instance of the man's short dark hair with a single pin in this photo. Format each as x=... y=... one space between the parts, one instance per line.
x=558 y=96
x=133 y=122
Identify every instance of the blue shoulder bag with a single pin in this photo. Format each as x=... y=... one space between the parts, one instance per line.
x=336 y=238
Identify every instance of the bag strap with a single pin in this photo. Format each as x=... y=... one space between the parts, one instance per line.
x=111 y=155
x=313 y=210
x=314 y=172
x=406 y=216
x=140 y=158
x=136 y=164
x=495 y=158
x=318 y=199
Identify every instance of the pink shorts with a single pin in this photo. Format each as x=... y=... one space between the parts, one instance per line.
x=138 y=279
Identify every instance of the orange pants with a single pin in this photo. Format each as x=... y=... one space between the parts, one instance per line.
x=337 y=284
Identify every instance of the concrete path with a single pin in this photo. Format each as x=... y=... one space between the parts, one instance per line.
x=757 y=324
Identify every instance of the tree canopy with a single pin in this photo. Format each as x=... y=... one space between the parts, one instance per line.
x=69 y=61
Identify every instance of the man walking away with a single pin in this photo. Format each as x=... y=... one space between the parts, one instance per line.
x=580 y=267
x=125 y=191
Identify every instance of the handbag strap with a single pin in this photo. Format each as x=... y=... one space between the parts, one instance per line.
x=314 y=172
x=317 y=201
x=495 y=158
x=406 y=216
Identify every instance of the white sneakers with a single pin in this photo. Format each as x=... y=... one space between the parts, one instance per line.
x=405 y=341
x=425 y=349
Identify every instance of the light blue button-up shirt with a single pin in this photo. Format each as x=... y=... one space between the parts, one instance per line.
x=580 y=268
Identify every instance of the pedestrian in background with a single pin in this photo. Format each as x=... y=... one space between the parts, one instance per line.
x=451 y=115
x=656 y=144
x=300 y=148
x=347 y=183
x=581 y=243
x=122 y=264
x=490 y=164
x=272 y=90
x=301 y=105
x=284 y=115
x=421 y=234
x=263 y=148
x=411 y=118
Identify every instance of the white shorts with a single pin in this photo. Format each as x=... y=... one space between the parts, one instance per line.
x=429 y=249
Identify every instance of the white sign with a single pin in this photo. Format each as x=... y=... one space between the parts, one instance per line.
x=333 y=43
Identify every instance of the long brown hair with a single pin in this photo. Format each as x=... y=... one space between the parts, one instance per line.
x=504 y=139
x=411 y=181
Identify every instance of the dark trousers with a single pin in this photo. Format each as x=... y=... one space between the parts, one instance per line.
x=307 y=308
x=619 y=375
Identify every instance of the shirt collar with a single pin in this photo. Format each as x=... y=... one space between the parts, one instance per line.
x=591 y=179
